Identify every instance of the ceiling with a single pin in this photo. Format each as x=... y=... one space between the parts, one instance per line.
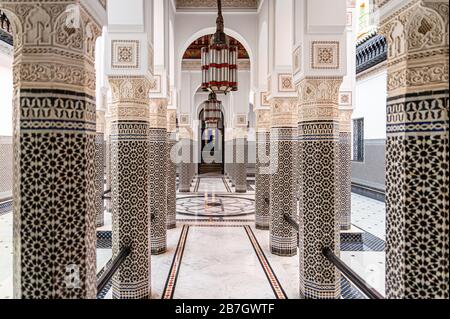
x=193 y=52
x=212 y=4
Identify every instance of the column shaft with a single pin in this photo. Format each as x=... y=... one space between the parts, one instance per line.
x=241 y=164
x=417 y=152
x=171 y=170
x=262 y=173
x=100 y=177
x=283 y=153
x=157 y=177
x=130 y=176
x=185 y=164
x=345 y=169
x=318 y=217
x=54 y=150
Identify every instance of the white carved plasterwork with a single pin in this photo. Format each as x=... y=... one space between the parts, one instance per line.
x=262 y=119
x=60 y=51
x=155 y=84
x=325 y=55
x=241 y=120
x=101 y=121
x=130 y=98
x=185 y=119
x=284 y=112
x=171 y=120
x=158 y=113
x=125 y=54
x=417 y=37
x=285 y=83
x=264 y=99
x=345 y=98
x=318 y=99
x=345 y=120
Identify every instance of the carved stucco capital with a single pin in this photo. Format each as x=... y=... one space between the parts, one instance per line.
x=130 y=98
x=319 y=99
x=283 y=112
x=158 y=113
x=60 y=52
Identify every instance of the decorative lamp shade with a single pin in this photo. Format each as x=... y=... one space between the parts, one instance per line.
x=212 y=111
x=219 y=62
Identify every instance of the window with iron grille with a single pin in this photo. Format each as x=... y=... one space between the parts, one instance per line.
x=358 y=140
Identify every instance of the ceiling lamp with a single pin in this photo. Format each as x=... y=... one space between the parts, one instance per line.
x=219 y=61
x=212 y=111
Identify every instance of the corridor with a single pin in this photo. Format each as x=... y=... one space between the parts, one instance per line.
x=267 y=149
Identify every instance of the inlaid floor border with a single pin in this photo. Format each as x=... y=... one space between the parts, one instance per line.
x=265 y=264
x=6 y=207
x=226 y=185
x=171 y=282
x=197 y=185
x=170 y=286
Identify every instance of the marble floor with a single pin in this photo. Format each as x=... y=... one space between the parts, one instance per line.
x=215 y=251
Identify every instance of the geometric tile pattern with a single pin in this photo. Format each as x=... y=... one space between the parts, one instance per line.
x=171 y=182
x=417 y=197
x=54 y=134
x=325 y=55
x=417 y=152
x=157 y=191
x=185 y=166
x=240 y=165
x=319 y=220
x=55 y=222
x=262 y=179
x=283 y=155
x=130 y=172
x=344 y=177
x=99 y=177
x=215 y=206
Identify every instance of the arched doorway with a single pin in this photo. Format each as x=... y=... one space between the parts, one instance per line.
x=212 y=148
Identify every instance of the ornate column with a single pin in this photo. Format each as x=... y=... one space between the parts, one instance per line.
x=157 y=175
x=54 y=150
x=171 y=169
x=100 y=153
x=417 y=151
x=240 y=166
x=108 y=118
x=262 y=175
x=345 y=168
x=283 y=155
x=130 y=182
x=319 y=197
x=185 y=164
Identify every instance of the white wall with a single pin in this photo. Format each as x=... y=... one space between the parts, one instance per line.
x=6 y=95
x=371 y=95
